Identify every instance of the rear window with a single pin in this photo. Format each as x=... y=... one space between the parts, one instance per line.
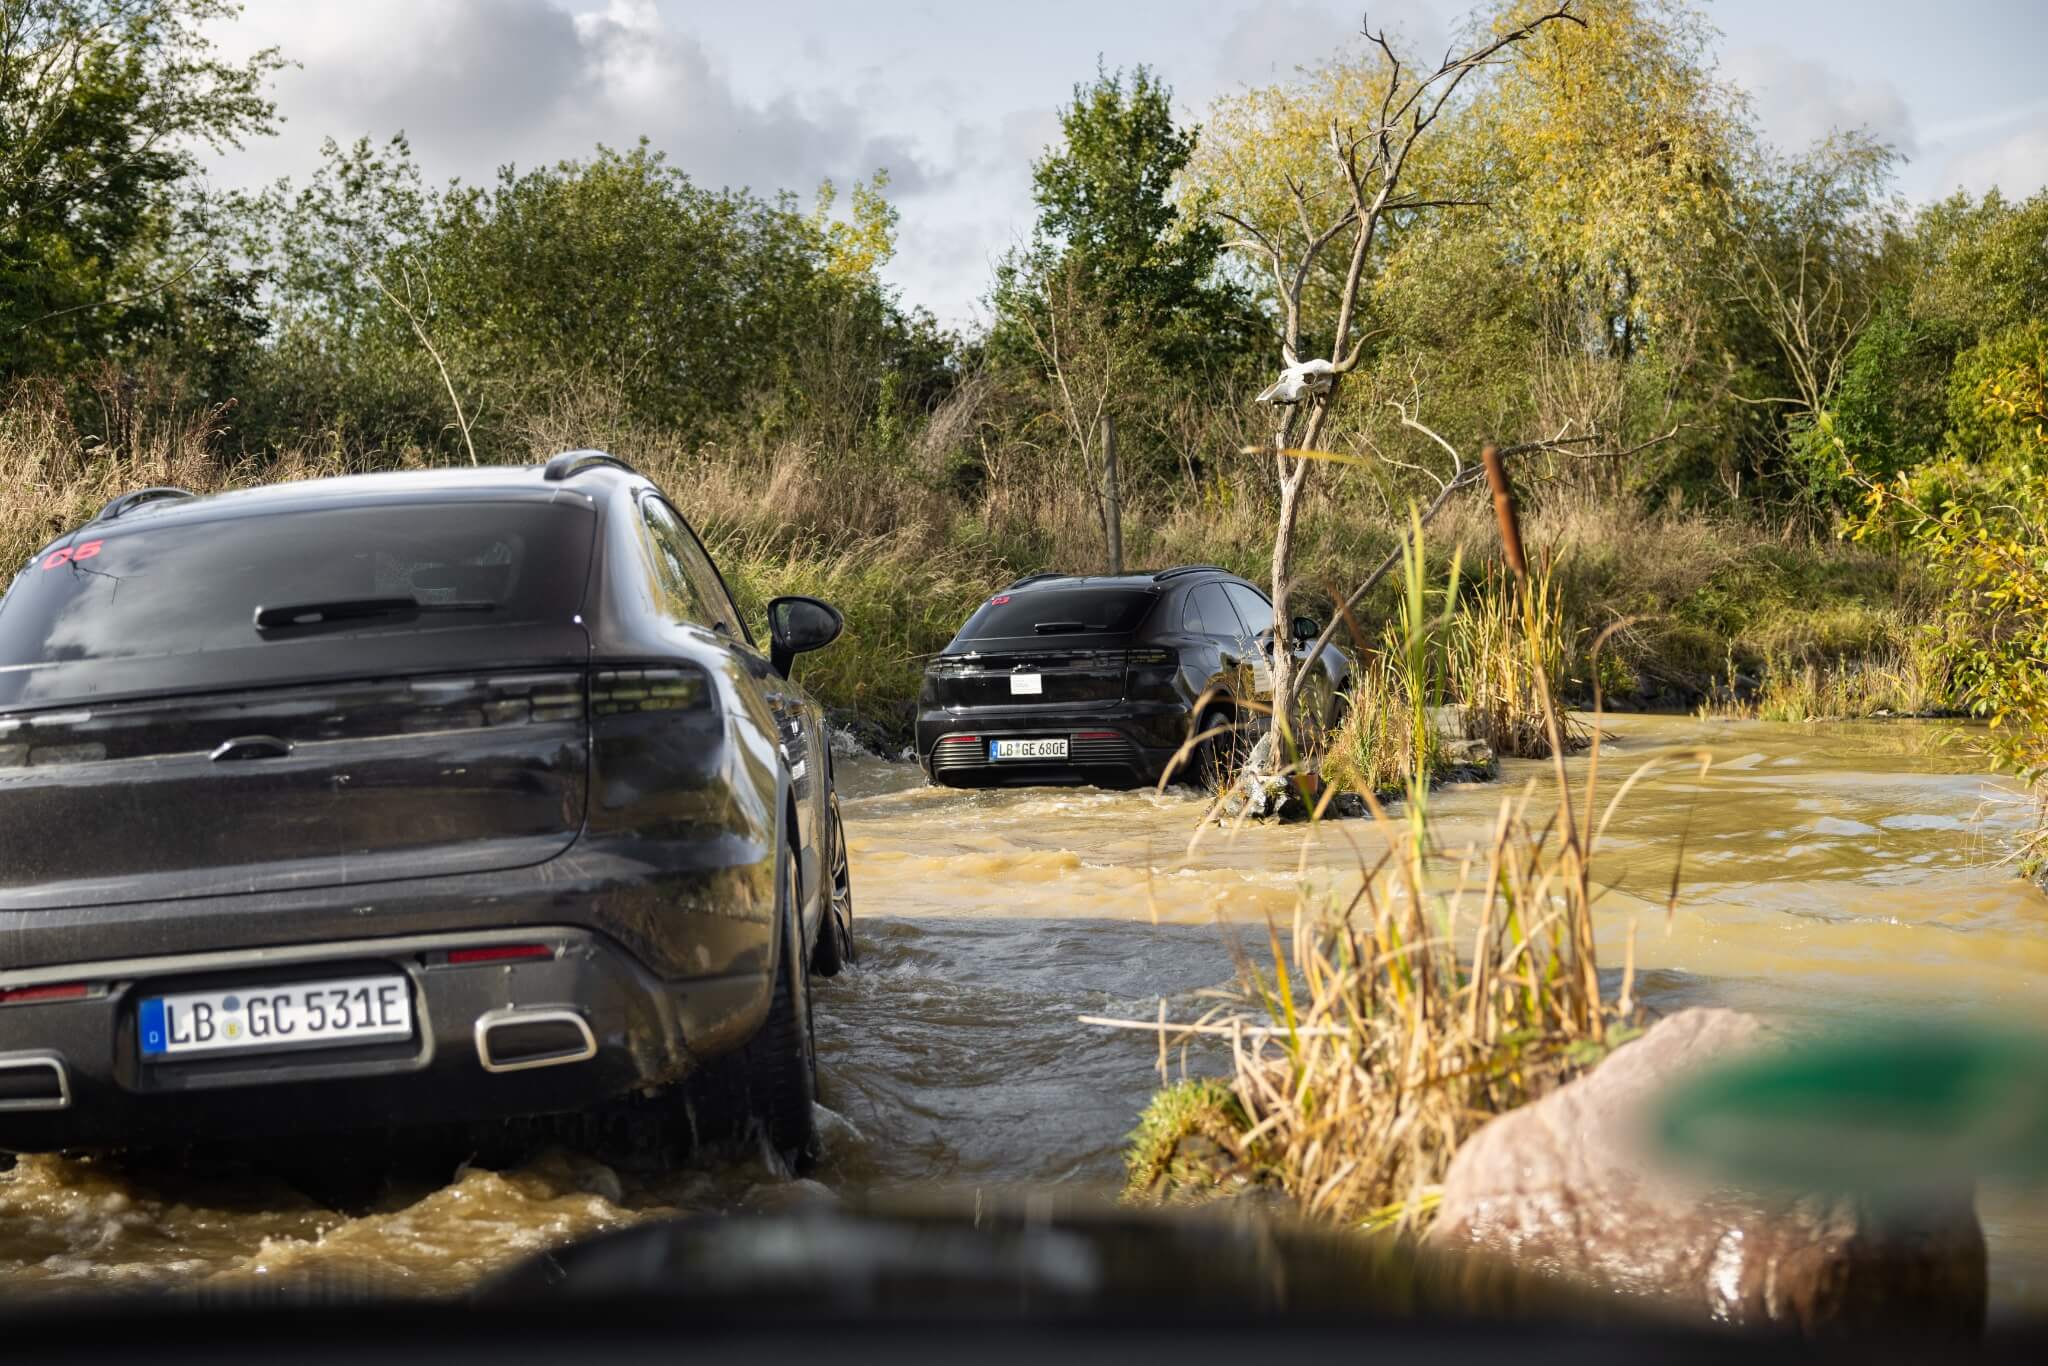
x=125 y=592
x=1060 y=612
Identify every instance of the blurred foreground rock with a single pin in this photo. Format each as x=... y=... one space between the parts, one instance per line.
x=1567 y=1187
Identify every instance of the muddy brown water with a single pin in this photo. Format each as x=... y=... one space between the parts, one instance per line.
x=1831 y=873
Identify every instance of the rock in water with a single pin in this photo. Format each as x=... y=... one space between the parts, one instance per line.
x=1260 y=793
x=1470 y=761
x=1567 y=1186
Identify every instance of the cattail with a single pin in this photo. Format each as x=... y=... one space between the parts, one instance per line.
x=1504 y=509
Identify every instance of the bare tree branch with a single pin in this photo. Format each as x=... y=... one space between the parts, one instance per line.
x=404 y=306
x=1464 y=476
x=1370 y=165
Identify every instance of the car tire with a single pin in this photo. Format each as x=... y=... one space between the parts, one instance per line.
x=835 y=927
x=767 y=1088
x=1216 y=761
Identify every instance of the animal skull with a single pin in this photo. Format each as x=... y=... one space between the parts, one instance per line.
x=1299 y=380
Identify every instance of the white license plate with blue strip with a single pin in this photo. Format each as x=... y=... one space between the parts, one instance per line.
x=999 y=750
x=299 y=1015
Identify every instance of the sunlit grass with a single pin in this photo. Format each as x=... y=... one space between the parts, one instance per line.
x=1494 y=647
x=1902 y=680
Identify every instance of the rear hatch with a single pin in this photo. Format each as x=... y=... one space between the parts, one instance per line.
x=1051 y=647
x=300 y=698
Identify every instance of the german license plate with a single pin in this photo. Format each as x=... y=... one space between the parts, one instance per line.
x=301 y=1015
x=999 y=750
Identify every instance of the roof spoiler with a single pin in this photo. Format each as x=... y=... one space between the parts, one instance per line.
x=128 y=502
x=569 y=464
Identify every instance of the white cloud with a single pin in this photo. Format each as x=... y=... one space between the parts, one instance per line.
x=477 y=83
x=2016 y=163
x=1798 y=102
x=1272 y=38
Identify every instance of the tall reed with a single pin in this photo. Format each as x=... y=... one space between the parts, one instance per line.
x=1494 y=656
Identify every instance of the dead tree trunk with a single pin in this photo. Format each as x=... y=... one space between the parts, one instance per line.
x=1369 y=162
x=1112 y=504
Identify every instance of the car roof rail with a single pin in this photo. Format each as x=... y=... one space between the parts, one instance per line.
x=1178 y=570
x=1034 y=578
x=569 y=464
x=130 y=501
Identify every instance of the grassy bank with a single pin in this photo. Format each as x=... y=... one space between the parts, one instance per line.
x=907 y=557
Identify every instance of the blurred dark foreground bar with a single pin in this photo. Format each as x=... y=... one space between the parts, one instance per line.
x=1043 y=1280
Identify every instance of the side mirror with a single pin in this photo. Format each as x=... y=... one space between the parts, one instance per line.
x=797 y=625
x=1307 y=629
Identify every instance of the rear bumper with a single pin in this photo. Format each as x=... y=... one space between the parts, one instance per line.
x=1118 y=744
x=490 y=1040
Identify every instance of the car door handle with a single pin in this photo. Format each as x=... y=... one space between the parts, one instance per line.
x=251 y=747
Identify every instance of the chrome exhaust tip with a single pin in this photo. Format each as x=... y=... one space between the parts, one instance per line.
x=516 y=1040
x=34 y=1081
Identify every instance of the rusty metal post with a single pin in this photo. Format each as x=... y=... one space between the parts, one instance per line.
x=1504 y=509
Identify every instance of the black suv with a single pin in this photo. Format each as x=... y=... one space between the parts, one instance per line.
x=431 y=797
x=1063 y=678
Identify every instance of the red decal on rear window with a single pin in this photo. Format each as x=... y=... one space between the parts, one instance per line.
x=999 y=599
x=70 y=553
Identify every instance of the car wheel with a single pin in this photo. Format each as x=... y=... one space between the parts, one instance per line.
x=835 y=930
x=767 y=1087
x=1216 y=762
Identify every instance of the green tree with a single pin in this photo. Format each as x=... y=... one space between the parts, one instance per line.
x=1890 y=410
x=104 y=107
x=1967 y=272
x=1981 y=265
x=1109 y=227
x=404 y=316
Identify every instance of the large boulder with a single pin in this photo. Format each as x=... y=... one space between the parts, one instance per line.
x=1569 y=1186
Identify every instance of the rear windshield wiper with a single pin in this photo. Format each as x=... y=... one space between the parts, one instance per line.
x=343 y=611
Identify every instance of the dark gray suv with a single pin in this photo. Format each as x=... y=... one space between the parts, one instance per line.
x=1067 y=678
x=430 y=797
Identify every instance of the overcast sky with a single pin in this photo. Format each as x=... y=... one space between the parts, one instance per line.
x=955 y=99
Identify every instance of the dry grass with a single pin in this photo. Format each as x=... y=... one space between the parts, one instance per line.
x=1484 y=656
x=1374 y=748
x=1903 y=680
x=56 y=479
x=906 y=554
x=1492 y=660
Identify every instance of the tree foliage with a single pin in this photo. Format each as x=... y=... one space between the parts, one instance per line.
x=617 y=272
x=1108 y=224
x=104 y=106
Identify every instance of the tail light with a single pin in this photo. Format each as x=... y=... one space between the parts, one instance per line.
x=621 y=692
x=657 y=745
x=59 y=991
x=1150 y=674
x=499 y=953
